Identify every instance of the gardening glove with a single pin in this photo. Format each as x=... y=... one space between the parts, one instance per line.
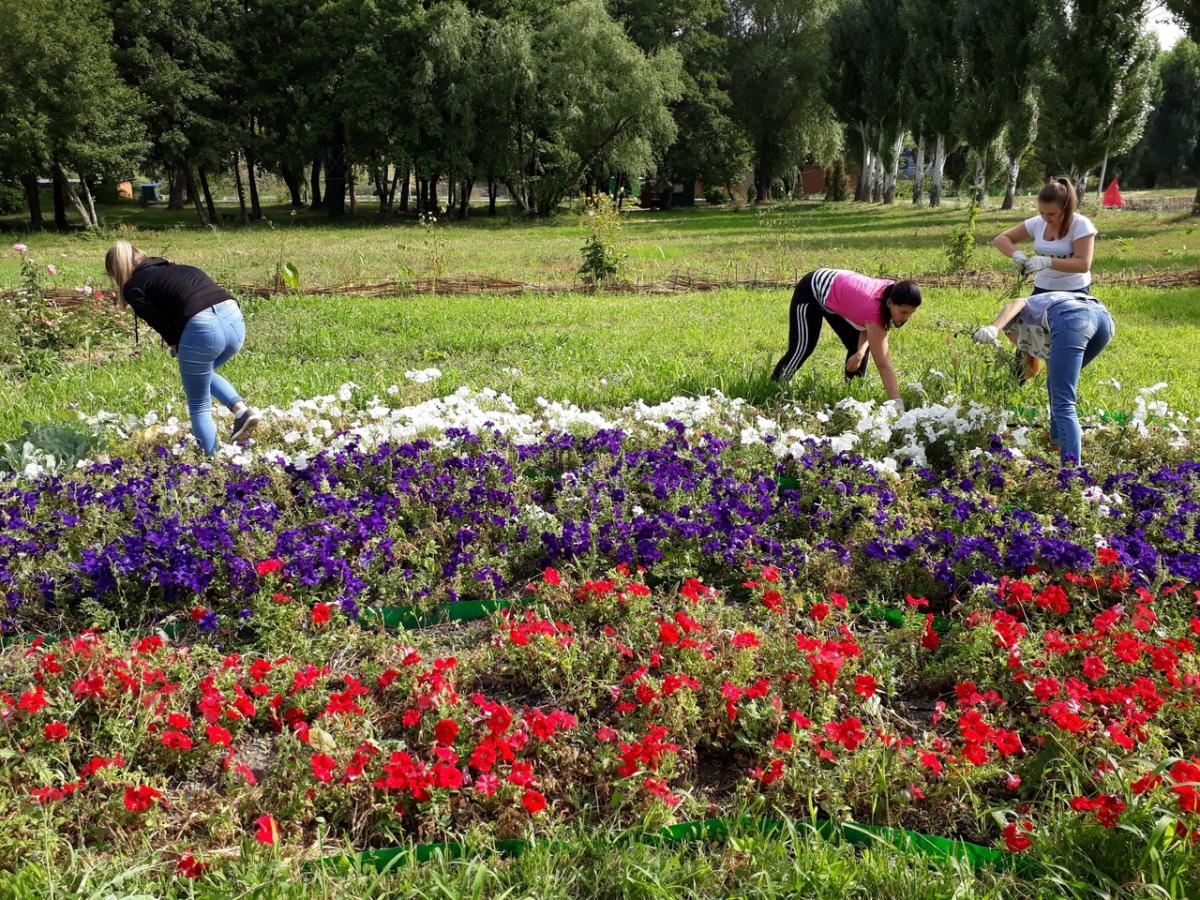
x=1019 y=260
x=1037 y=263
x=897 y=404
x=988 y=334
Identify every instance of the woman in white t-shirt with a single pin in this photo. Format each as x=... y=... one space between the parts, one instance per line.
x=1063 y=242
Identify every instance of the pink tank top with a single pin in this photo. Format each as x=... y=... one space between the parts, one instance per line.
x=855 y=298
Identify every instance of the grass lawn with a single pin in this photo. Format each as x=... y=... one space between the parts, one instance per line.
x=386 y=520
x=599 y=351
x=776 y=243
x=603 y=350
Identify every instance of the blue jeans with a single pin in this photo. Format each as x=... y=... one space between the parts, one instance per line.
x=1079 y=330
x=210 y=339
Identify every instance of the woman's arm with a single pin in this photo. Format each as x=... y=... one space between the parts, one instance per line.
x=1008 y=313
x=1006 y=242
x=856 y=358
x=877 y=339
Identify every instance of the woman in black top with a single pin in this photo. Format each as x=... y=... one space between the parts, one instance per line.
x=199 y=320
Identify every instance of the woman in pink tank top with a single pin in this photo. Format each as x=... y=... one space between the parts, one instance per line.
x=860 y=309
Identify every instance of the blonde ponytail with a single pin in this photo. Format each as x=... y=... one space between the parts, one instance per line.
x=120 y=261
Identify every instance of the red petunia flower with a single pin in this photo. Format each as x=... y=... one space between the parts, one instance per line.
x=1015 y=836
x=445 y=732
x=55 y=731
x=189 y=866
x=266 y=830
x=268 y=566
x=323 y=767
x=141 y=798
x=320 y=613
x=864 y=686
x=550 y=576
x=533 y=801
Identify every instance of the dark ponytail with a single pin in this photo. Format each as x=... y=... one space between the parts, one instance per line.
x=901 y=293
x=1061 y=192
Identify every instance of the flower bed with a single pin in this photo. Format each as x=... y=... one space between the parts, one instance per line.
x=694 y=634
x=609 y=702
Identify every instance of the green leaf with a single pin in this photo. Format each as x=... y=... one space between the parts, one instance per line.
x=290 y=275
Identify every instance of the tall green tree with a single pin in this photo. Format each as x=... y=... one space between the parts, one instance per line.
x=178 y=58
x=1169 y=150
x=1187 y=13
x=933 y=72
x=64 y=110
x=845 y=86
x=779 y=54
x=709 y=146
x=1099 y=79
x=596 y=99
x=1000 y=56
x=1020 y=132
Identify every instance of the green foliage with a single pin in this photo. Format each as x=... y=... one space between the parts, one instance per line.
x=63 y=104
x=1097 y=86
x=53 y=447
x=1169 y=150
x=779 y=50
x=960 y=247
x=601 y=252
x=715 y=196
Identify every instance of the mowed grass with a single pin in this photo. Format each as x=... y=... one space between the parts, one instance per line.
x=603 y=350
x=776 y=242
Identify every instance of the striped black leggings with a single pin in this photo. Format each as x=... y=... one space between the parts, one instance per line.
x=804 y=327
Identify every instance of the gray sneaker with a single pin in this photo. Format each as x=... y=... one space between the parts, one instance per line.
x=244 y=425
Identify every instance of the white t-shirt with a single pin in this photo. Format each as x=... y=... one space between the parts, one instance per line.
x=1063 y=248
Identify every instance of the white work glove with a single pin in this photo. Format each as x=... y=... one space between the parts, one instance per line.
x=896 y=405
x=1019 y=260
x=988 y=334
x=1037 y=263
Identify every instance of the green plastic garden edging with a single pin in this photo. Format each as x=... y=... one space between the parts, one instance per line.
x=474 y=610
x=856 y=833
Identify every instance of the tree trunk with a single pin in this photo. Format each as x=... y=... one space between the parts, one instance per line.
x=1100 y=186
x=315 y=184
x=33 y=198
x=877 y=170
x=176 y=198
x=434 y=206
x=451 y=194
x=919 y=178
x=256 y=212
x=350 y=187
x=404 y=189
x=69 y=193
x=464 y=201
x=335 y=176
x=889 y=184
x=939 y=164
x=1196 y=202
x=291 y=177
x=190 y=179
x=1010 y=189
x=862 y=191
x=491 y=196
x=93 y=220
x=208 y=198
x=237 y=178
x=981 y=178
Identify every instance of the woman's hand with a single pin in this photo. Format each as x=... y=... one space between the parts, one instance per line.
x=1037 y=263
x=988 y=334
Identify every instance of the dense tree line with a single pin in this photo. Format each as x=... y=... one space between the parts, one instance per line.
x=546 y=98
